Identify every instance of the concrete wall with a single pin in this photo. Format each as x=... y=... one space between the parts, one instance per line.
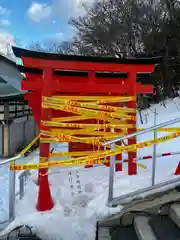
x=20 y=132
x=30 y=130
x=15 y=134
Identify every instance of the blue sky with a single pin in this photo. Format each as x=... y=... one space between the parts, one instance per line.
x=28 y=21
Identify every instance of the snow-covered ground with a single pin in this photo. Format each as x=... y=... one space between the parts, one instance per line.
x=4 y=185
x=80 y=195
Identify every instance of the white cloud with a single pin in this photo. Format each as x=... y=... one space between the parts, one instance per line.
x=75 y=7
x=6 y=43
x=69 y=8
x=4 y=14
x=5 y=22
x=59 y=35
x=4 y=11
x=77 y=4
x=59 y=8
x=80 y=2
x=39 y=11
x=54 y=38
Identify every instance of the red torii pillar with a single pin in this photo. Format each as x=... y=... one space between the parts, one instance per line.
x=46 y=115
x=132 y=91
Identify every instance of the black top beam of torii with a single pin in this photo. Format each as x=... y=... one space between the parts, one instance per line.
x=19 y=52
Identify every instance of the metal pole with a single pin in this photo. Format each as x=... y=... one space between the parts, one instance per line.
x=154 y=153
x=11 y=160
x=136 y=194
x=157 y=156
x=12 y=179
x=143 y=131
x=111 y=177
x=21 y=187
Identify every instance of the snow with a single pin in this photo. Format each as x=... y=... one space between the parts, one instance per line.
x=4 y=186
x=6 y=42
x=78 y=208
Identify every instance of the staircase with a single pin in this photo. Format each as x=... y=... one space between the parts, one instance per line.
x=152 y=218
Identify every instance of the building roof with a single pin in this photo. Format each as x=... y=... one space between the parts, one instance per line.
x=8 y=61
x=10 y=78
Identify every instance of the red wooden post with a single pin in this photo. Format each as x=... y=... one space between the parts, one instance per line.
x=102 y=148
x=91 y=82
x=89 y=147
x=118 y=157
x=44 y=198
x=107 y=158
x=132 y=167
x=177 y=172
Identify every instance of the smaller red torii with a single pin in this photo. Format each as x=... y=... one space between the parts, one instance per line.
x=53 y=74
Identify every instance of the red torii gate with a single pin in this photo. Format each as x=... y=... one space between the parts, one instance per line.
x=52 y=74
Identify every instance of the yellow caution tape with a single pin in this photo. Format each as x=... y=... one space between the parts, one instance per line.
x=50 y=164
x=62 y=163
x=89 y=140
x=90 y=107
x=130 y=148
x=141 y=165
x=26 y=149
x=163 y=129
x=93 y=105
x=93 y=131
x=87 y=132
x=84 y=111
x=66 y=136
x=72 y=154
x=87 y=110
x=95 y=157
x=44 y=159
x=71 y=119
x=29 y=145
x=57 y=137
x=77 y=154
x=104 y=99
x=105 y=116
x=80 y=125
x=87 y=117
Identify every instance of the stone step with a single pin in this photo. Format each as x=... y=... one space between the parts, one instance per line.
x=164 y=228
x=123 y=233
x=143 y=229
x=103 y=233
x=174 y=213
